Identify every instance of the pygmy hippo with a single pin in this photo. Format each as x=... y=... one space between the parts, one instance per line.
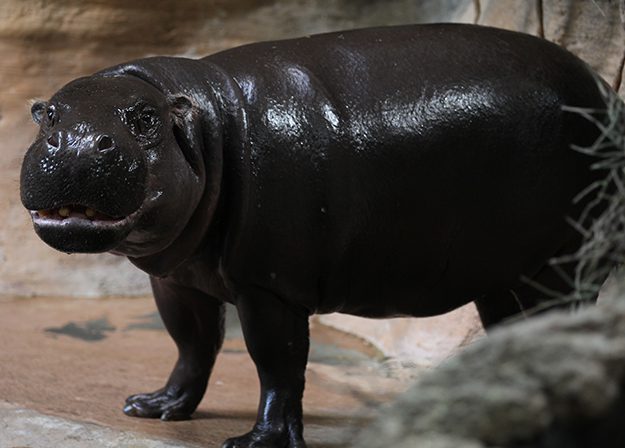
x=396 y=171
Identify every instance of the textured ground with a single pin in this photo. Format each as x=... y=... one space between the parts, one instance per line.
x=66 y=366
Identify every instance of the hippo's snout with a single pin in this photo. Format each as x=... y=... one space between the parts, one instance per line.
x=54 y=140
x=105 y=143
x=82 y=187
x=89 y=170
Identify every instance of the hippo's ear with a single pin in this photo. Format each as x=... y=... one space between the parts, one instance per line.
x=37 y=110
x=185 y=118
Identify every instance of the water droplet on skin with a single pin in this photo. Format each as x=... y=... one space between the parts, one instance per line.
x=133 y=166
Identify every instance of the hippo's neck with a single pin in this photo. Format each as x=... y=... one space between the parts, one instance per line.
x=223 y=129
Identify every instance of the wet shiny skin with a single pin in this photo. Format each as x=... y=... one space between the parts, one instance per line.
x=382 y=172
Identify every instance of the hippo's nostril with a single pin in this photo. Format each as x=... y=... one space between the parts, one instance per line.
x=105 y=143
x=53 y=140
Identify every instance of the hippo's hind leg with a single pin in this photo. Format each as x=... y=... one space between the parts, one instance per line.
x=496 y=307
x=548 y=290
x=196 y=323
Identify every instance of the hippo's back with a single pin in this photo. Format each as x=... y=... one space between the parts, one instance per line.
x=361 y=67
x=407 y=162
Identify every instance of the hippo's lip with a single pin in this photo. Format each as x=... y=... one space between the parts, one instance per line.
x=86 y=217
x=75 y=229
x=72 y=211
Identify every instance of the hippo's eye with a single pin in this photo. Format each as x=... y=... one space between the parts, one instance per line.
x=146 y=120
x=142 y=120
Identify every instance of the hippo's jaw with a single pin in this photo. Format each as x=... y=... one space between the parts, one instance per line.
x=79 y=229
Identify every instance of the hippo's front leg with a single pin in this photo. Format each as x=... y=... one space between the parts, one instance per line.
x=276 y=335
x=196 y=323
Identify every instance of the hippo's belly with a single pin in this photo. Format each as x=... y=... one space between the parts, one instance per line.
x=445 y=237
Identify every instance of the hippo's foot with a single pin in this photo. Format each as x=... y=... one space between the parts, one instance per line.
x=266 y=438
x=168 y=403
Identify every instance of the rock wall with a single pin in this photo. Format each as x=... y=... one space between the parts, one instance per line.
x=592 y=29
x=46 y=43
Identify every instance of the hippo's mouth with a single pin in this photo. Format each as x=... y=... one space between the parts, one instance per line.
x=78 y=212
x=79 y=228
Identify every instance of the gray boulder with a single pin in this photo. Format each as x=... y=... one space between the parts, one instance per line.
x=554 y=381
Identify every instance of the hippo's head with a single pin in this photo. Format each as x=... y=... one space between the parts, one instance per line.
x=113 y=168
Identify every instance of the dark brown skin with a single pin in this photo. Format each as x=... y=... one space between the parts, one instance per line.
x=386 y=172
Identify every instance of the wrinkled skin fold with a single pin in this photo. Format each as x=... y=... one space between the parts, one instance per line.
x=400 y=171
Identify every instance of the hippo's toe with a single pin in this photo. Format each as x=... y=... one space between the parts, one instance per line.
x=165 y=403
x=261 y=437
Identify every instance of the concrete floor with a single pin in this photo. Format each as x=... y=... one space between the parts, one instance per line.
x=66 y=366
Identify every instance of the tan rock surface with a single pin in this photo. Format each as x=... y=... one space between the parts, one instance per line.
x=44 y=44
x=79 y=359
x=591 y=29
x=414 y=344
